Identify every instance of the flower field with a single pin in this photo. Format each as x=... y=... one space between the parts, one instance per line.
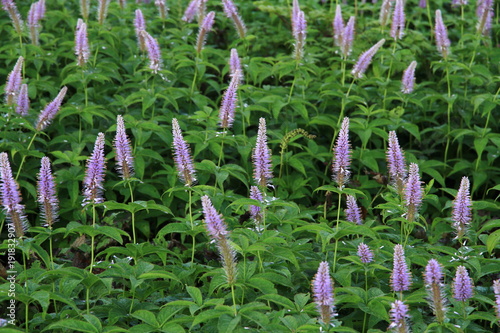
x=250 y=166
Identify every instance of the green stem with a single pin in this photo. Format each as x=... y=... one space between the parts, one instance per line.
x=234 y=300
x=450 y=106
x=92 y=240
x=336 y=231
x=132 y=213
x=192 y=223
x=195 y=75
x=24 y=156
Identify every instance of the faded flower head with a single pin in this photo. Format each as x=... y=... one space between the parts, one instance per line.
x=124 y=158
x=205 y=27
x=462 y=209
x=342 y=155
x=182 y=155
x=322 y=288
x=462 y=285
x=10 y=197
x=47 y=197
x=94 y=175
x=232 y=13
x=365 y=254
x=400 y=277
x=48 y=114
x=385 y=12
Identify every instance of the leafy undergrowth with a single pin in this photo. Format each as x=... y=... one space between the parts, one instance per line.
x=221 y=222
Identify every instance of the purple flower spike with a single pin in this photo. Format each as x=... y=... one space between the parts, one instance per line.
x=23 y=102
x=216 y=227
x=433 y=277
x=50 y=111
x=47 y=198
x=10 y=197
x=496 y=290
x=399 y=315
x=235 y=65
x=81 y=43
x=422 y=3
x=413 y=193
x=182 y=156
x=338 y=27
x=205 y=27
x=10 y=7
x=94 y=175
x=299 y=29
x=348 y=37
x=255 y=211
x=385 y=12
x=485 y=15
x=400 y=277
x=140 y=26
x=408 y=81
x=232 y=13
x=365 y=59
x=462 y=285
x=342 y=155
x=154 y=52
x=322 y=288
x=353 y=212
x=433 y=272
x=262 y=157
x=14 y=82
x=398 y=21
x=124 y=158
x=191 y=11
x=442 y=41
x=229 y=101
x=365 y=254
x=33 y=21
x=396 y=162
x=462 y=209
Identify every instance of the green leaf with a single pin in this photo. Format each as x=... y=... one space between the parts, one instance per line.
x=207 y=315
x=227 y=323
x=74 y=325
x=278 y=299
x=195 y=294
x=158 y=275
x=492 y=241
x=147 y=317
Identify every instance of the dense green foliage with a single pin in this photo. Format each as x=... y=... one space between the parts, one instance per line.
x=171 y=279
